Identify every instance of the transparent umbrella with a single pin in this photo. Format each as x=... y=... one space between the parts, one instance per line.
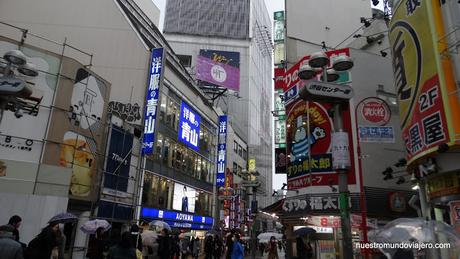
x=265 y=237
x=158 y=225
x=415 y=230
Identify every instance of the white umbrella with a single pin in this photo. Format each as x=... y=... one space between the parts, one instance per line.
x=265 y=237
x=91 y=226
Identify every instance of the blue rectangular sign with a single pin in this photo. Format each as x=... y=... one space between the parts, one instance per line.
x=154 y=82
x=221 y=151
x=376 y=134
x=175 y=216
x=189 y=127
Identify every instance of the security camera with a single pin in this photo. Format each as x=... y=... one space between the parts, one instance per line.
x=18 y=113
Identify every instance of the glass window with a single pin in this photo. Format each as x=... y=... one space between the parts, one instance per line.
x=157 y=192
x=185 y=60
x=167 y=152
x=198 y=166
x=235 y=147
x=158 y=152
x=172 y=115
x=240 y=150
x=245 y=154
x=235 y=167
x=163 y=102
x=239 y=172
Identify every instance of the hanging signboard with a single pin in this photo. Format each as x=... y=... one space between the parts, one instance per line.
x=375 y=111
x=221 y=151
x=221 y=68
x=189 y=126
x=424 y=80
x=154 y=83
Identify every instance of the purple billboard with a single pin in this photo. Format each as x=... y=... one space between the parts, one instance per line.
x=221 y=68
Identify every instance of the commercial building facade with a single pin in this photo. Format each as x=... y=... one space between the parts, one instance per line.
x=131 y=186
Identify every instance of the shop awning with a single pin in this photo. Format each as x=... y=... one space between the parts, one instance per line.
x=276 y=207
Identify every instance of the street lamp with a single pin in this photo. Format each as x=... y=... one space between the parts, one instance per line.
x=340 y=147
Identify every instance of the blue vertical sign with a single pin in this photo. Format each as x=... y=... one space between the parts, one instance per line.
x=221 y=151
x=189 y=127
x=154 y=82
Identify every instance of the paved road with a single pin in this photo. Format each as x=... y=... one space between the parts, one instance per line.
x=280 y=254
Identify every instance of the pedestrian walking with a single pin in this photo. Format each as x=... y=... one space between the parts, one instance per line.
x=218 y=247
x=208 y=247
x=229 y=245
x=237 y=251
x=272 y=249
x=165 y=245
x=43 y=244
x=136 y=237
x=9 y=247
x=184 y=247
x=97 y=245
x=15 y=221
x=195 y=247
x=124 y=249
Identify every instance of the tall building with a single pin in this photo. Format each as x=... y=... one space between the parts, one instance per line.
x=235 y=35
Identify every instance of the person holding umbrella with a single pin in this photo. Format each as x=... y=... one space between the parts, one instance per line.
x=97 y=245
x=272 y=249
x=42 y=245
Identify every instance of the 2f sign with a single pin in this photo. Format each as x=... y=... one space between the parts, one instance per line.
x=427 y=99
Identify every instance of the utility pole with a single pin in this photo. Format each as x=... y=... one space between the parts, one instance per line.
x=336 y=94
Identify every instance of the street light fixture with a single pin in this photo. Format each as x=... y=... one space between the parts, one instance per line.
x=341 y=63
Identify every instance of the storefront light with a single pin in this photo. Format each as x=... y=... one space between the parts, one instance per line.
x=415 y=187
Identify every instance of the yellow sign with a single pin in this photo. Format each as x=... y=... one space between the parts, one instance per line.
x=443 y=185
x=423 y=80
x=252 y=164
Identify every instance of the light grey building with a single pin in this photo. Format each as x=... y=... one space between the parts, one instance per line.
x=242 y=29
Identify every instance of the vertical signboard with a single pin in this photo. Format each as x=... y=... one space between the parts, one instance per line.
x=278 y=32
x=455 y=214
x=424 y=81
x=221 y=151
x=154 y=82
x=189 y=126
x=221 y=68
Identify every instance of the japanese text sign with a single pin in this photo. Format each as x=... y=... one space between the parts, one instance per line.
x=154 y=82
x=428 y=113
x=221 y=151
x=220 y=68
x=376 y=134
x=189 y=126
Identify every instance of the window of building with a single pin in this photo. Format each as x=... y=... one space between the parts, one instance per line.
x=235 y=168
x=172 y=115
x=240 y=170
x=157 y=192
x=240 y=150
x=245 y=154
x=235 y=147
x=185 y=60
x=163 y=104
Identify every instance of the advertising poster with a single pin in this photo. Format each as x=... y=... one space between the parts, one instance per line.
x=76 y=135
x=184 y=198
x=280 y=160
x=309 y=147
x=22 y=138
x=221 y=68
x=429 y=115
x=278 y=26
x=117 y=168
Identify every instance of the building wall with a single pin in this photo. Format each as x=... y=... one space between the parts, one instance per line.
x=150 y=9
x=308 y=23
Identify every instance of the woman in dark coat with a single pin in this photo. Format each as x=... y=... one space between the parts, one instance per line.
x=97 y=245
x=41 y=246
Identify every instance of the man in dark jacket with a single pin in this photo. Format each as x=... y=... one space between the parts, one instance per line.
x=9 y=248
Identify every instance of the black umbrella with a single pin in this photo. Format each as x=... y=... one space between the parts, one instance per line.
x=304 y=231
x=63 y=218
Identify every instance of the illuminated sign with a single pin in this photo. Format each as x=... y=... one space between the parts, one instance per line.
x=221 y=151
x=184 y=198
x=154 y=82
x=175 y=216
x=189 y=126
